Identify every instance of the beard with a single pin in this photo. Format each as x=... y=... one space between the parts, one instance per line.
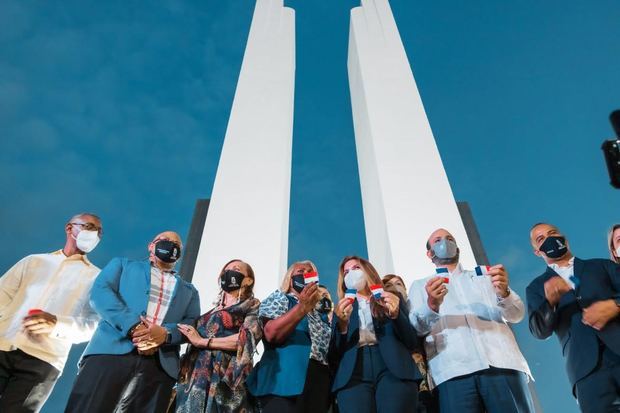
x=446 y=261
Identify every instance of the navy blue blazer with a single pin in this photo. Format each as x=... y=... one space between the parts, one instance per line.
x=396 y=340
x=120 y=294
x=599 y=279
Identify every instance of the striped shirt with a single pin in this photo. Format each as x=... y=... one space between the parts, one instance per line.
x=162 y=287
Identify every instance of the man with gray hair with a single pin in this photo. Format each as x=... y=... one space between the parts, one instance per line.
x=44 y=309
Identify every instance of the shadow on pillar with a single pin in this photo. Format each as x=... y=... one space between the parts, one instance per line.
x=192 y=243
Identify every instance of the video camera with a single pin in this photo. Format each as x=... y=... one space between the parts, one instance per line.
x=611 y=151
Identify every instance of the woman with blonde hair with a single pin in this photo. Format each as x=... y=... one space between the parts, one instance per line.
x=222 y=346
x=613 y=243
x=373 y=342
x=293 y=373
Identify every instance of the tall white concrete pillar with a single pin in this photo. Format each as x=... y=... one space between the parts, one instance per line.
x=405 y=191
x=249 y=212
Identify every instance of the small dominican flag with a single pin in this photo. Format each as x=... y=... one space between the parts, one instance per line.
x=311 y=277
x=443 y=273
x=376 y=290
x=482 y=270
x=350 y=293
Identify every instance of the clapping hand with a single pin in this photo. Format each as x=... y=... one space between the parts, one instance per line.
x=555 y=288
x=148 y=336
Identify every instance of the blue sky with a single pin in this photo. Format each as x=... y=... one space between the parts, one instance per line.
x=121 y=109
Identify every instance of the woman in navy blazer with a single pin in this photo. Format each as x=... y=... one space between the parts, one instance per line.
x=373 y=343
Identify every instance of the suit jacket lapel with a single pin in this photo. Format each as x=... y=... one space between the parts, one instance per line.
x=177 y=290
x=354 y=321
x=147 y=273
x=578 y=272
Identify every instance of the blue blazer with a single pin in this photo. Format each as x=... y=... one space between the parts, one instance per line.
x=282 y=369
x=120 y=294
x=599 y=279
x=396 y=340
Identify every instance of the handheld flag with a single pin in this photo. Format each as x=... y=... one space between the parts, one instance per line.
x=376 y=290
x=443 y=273
x=350 y=293
x=482 y=270
x=311 y=277
x=34 y=311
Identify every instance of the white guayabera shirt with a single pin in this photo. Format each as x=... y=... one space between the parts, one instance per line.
x=469 y=333
x=54 y=283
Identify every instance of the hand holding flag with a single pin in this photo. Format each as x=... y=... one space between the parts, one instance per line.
x=311 y=277
x=499 y=279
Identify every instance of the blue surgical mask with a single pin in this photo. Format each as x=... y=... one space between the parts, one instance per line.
x=445 y=249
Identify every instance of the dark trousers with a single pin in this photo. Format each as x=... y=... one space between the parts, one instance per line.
x=492 y=390
x=314 y=399
x=599 y=391
x=120 y=383
x=373 y=388
x=25 y=382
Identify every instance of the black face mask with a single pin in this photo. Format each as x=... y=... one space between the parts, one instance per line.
x=167 y=251
x=298 y=282
x=231 y=280
x=324 y=305
x=554 y=247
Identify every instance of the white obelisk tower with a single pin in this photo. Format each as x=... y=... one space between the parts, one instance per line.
x=405 y=191
x=249 y=211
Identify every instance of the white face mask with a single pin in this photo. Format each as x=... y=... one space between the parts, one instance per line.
x=87 y=240
x=617 y=252
x=355 y=280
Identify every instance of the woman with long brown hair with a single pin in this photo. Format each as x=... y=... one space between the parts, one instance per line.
x=222 y=345
x=373 y=341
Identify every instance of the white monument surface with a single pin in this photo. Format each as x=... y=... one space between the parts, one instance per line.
x=405 y=190
x=249 y=211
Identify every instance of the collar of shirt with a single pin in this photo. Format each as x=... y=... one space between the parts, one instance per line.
x=567 y=273
x=75 y=257
x=555 y=267
x=158 y=270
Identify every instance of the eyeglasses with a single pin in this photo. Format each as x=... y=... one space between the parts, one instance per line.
x=89 y=226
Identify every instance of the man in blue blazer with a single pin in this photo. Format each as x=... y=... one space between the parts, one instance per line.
x=132 y=361
x=579 y=300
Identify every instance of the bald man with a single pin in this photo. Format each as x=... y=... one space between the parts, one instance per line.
x=473 y=357
x=579 y=301
x=132 y=361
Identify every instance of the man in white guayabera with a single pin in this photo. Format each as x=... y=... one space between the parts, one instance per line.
x=473 y=357
x=44 y=309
